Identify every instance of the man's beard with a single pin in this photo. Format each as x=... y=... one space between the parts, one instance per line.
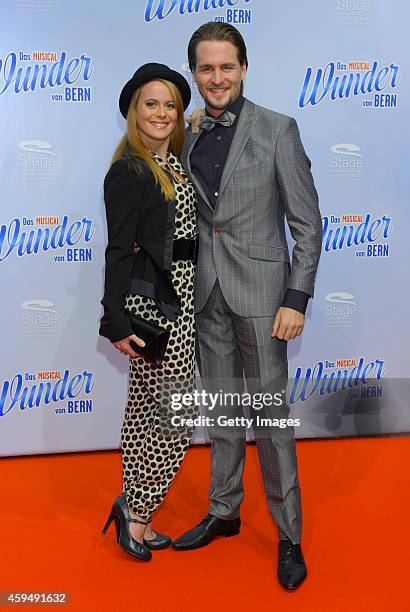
x=222 y=105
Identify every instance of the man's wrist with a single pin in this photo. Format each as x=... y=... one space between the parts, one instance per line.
x=295 y=299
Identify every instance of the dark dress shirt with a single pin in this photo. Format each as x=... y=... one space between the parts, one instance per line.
x=208 y=160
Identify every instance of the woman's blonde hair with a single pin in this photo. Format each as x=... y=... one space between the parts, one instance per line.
x=132 y=146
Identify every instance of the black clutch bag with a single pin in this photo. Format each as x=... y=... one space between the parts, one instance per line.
x=155 y=338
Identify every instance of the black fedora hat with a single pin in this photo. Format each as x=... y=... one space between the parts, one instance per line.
x=148 y=72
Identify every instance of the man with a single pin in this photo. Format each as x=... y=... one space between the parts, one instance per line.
x=250 y=170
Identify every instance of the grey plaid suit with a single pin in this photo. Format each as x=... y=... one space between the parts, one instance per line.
x=242 y=274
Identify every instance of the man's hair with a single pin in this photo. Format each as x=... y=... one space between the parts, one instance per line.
x=220 y=31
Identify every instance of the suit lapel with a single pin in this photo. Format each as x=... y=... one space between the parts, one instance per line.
x=189 y=146
x=246 y=121
x=243 y=130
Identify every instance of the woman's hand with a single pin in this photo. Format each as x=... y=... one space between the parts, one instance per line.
x=125 y=348
x=194 y=118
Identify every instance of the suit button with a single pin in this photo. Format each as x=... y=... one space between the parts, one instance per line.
x=218 y=230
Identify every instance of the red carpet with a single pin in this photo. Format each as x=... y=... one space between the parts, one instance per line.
x=356 y=502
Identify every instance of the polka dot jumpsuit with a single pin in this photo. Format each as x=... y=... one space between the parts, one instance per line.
x=152 y=446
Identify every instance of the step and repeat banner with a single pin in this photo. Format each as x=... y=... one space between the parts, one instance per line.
x=340 y=67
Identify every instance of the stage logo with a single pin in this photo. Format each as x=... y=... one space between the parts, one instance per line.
x=346 y=162
x=39 y=318
x=22 y=72
x=234 y=9
x=340 y=309
x=37 y=160
x=372 y=82
x=353 y=12
x=197 y=101
x=35 y=6
x=61 y=236
x=28 y=390
x=365 y=235
x=331 y=376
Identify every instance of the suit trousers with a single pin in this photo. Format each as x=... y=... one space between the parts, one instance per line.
x=231 y=348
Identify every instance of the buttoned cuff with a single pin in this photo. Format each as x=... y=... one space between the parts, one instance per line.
x=298 y=300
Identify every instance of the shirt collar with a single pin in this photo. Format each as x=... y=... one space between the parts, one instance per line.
x=236 y=106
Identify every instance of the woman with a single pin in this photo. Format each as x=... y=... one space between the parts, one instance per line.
x=150 y=209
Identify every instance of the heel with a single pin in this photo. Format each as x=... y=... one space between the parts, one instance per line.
x=232 y=529
x=120 y=514
x=118 y=528
x=108 y=523
x=233 y=533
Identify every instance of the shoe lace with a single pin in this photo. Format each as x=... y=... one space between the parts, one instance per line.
x=291 y=552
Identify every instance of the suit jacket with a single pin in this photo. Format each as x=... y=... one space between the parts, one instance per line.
x=136 y=212
x=242 y=242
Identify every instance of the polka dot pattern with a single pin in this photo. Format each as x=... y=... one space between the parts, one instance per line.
x=152 y=446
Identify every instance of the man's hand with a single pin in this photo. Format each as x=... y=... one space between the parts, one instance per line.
x=288 y=324
x=194 y=119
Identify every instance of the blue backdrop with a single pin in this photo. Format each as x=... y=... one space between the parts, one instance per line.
x=339 y=67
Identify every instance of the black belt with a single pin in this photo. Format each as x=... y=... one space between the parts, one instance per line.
x=185 y=250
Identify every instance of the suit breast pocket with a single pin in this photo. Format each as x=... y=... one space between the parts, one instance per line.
x=244 y=164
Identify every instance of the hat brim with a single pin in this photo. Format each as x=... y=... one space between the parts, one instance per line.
x=138 y=80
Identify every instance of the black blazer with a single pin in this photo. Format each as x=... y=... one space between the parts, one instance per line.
x=136 y=211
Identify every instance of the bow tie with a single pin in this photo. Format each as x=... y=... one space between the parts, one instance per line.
x=208 y=123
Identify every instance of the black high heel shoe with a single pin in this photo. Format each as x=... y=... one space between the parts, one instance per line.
x=121 y=515
x=160 y=542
